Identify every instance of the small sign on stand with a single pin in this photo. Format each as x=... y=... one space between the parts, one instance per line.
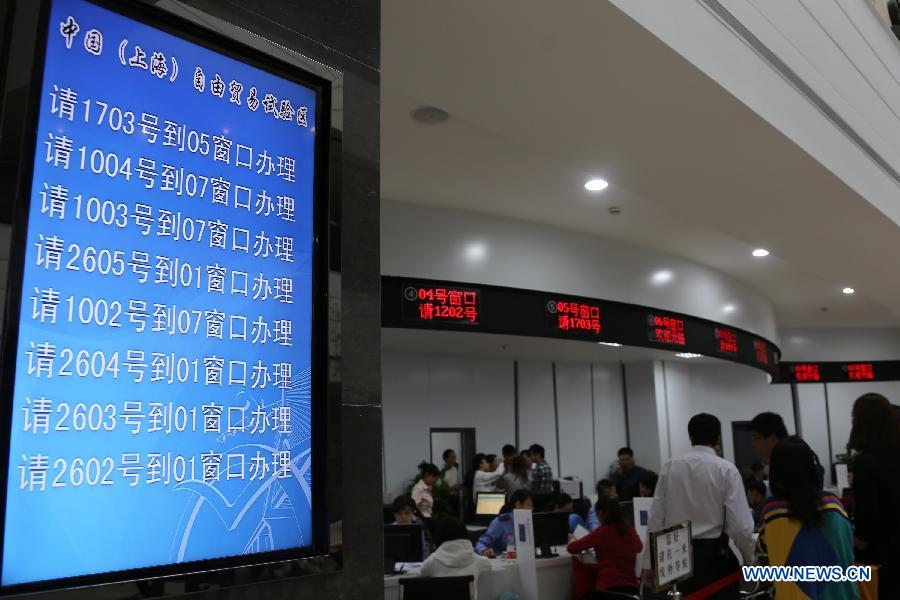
x=672 y=557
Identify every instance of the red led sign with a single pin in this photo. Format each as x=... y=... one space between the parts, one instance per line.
x=762 y=352
x=574 y=316
x=443 y=304
x=666 y=330
x=726 y=340
x=807 y=372
x=860 y=372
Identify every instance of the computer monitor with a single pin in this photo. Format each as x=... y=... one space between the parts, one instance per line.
x=489 y=504
x=550 y=529
x=402 y=543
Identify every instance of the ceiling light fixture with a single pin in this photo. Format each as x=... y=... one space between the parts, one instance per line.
x=729 y=308
x=848 y=290
x=662 y=277
x=596 y=185
x=760 y=252
x=476 y=252
x=688 y=355
x=611 y=344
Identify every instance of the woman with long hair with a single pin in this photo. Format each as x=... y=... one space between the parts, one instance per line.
x=616 y=545
x=876 y=489
x=802 y=525
x=517 y=478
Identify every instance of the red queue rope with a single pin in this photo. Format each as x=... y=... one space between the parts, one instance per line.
x=714 y=587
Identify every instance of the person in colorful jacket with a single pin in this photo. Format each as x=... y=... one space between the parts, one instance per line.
x=803 y=526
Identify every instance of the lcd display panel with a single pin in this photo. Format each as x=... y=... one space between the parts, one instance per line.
x=167 y=346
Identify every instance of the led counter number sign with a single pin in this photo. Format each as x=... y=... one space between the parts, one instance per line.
x=666 y=330
x=441 y=304
x=567 y=315
x=161 y=404
x=726 y=340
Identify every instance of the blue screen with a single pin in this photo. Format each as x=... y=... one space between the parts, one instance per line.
x=161 y=404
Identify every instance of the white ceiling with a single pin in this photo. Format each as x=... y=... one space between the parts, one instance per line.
x=540 y=100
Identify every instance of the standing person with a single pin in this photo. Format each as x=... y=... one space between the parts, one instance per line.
x=616 y=545
x=876 y=489
x=805 y=526
x=454 y=556
x=706 y=490
x=421 y=492
x=542 y=472
x=605 y=489
x=488 y=477
x=767 y=429
x=517 y=477
x=509 y=452
x=450 y=470
x=627 y=475
x=500 y=534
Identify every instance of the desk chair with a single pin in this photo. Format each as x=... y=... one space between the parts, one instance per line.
x=437 y=588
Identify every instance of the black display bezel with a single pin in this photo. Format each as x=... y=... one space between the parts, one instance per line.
x=512 y=311
x=191 y=32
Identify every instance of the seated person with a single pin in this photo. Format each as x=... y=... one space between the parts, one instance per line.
x=500 y=534
x=488 y=477
x=616 y=545
x=605 y=489
x=563 y=503
x=756 y=497
x=647 y=485
x=627 y=475
x=454 y=556
x=404 y=510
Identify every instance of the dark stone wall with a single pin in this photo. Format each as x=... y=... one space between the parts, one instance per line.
x=343 y=35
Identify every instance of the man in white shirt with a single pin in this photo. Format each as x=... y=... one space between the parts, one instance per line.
x=705 y=489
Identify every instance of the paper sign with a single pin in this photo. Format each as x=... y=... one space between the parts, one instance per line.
x=671 y=555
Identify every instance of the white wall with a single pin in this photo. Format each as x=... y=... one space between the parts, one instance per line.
x=537 y=421
x=574 y=402
x=734 y=393
x=811 y=401
x=609 y=416
x=530 y=256
x=422 y=391
x=646 y=414
x=839 y=344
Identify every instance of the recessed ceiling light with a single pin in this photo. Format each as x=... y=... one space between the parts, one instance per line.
x=848 y=290
x=613 y=344
x=662 y=277
x=595 y=185
x=688 y=355
x=729 y=308
x=760 y=252
x=476 y=251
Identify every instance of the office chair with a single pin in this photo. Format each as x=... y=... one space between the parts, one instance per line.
x=437 y=588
